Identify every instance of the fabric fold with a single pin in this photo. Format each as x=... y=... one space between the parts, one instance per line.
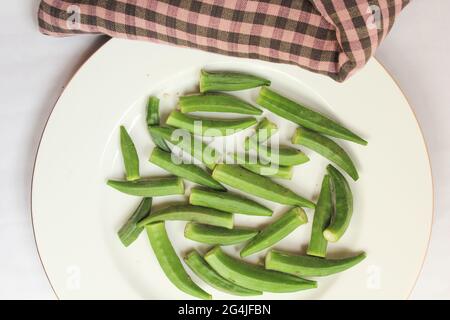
x=331 y=37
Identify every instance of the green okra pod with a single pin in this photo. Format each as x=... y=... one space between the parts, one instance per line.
x=304 y=116
x=343 y=206
x=327 y=148
x=216 y=102
x=322 y=216
x=275 y=231
x=130 y=156
x=153 y=120
x=227 y=202
x=264 y=169
x=149 y=187
x=217 y=235
x=190 y=172
x=203 y=270
x=190 y=213
x=253 y=276
x=229 y=81
x=307 y=266
x=186 y=142
x=208 y=127
x=170 y=263
x=264 y=130
x=129 y=232
x=260 y=186
x=282 y=155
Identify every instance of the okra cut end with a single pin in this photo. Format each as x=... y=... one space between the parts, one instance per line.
x=214 y=251
x=300 y=213
x=190 y=254
x=315 y=253
x=268 y=260
x=296 y=138
x=133 y=177
x=330 y=236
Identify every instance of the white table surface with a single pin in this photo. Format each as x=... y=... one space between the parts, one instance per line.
x=34 y=69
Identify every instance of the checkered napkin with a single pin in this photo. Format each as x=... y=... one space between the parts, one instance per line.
x=331 y=37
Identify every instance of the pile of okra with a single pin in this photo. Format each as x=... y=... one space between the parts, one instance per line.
x=211 y=207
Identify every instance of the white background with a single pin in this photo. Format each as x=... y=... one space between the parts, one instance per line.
x=34 y=69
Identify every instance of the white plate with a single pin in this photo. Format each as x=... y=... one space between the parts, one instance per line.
x=76 y=216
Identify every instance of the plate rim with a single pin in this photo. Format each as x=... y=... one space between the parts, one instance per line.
x=395 y=81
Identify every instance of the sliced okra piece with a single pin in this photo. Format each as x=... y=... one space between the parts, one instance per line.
x=208 y=127
x=155 y=187
x=275 y=231
x=327 y=148
x=130 y=156
x=153 y=120
x=237 y=177
x=264 y=168
x=229 y=81
x=189 y=144
x=170 y=263
x=202 y=215
x=343 y=208
x=217 y=235
x=307 y=266
x=264 y=130
x=191 y=172
x=304 y=116
x=129 y=232
x=322 y=216
x=203 y=270
x=253 y=276
x=216 y=102
x=228 y=202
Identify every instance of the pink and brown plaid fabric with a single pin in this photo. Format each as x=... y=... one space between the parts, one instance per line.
x=331 y=37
